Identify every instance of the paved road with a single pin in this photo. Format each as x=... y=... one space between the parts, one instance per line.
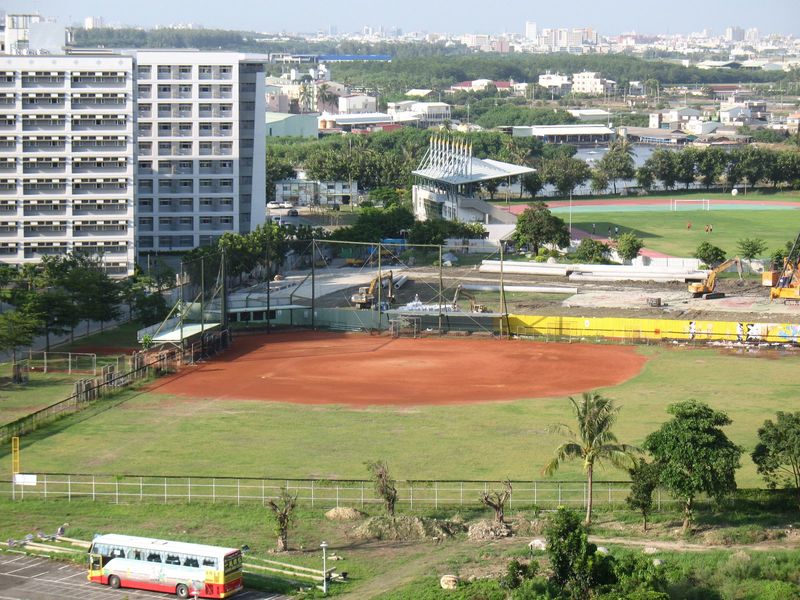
x=29 y=578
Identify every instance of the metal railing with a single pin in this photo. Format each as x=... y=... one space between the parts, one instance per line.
x=319 y=493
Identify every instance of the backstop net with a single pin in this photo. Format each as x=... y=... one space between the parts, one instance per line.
x=392 y=286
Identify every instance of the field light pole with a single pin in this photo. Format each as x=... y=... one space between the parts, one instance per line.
x=324 y=546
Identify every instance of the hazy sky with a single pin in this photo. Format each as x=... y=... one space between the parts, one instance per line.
x=454 y=16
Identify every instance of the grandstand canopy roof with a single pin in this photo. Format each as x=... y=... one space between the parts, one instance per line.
x=173 y=336
x=479 y=170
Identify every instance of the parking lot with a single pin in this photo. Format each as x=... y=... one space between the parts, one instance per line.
x=31 y=578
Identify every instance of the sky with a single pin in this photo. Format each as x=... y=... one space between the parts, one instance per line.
x=449 y=16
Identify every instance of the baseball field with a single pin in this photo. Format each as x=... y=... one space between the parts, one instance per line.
x=321 y=404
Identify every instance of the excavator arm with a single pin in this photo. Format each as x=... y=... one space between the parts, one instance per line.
x=709 y=285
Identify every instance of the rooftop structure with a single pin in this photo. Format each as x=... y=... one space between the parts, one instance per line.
x=449 y=178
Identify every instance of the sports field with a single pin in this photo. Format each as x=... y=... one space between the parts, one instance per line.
x=202 y=433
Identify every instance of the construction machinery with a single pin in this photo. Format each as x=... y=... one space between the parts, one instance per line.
x=366 y=297
x=705 y=289
x=473 y=306
x=787 y=287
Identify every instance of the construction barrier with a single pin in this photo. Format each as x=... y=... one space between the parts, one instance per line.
x=636 y=330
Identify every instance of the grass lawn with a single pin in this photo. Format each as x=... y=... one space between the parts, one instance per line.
x=667 y=231
x=123 y=336
x=42 y=390
x=753 y=196
x=397 y=570
x=151 y=433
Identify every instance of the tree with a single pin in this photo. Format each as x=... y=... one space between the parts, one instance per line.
x=644 y=481
x=645 y=178
x=283 y=513
x=694 y=455
x=686 y=166
x=537 y=226
x=591 y=251
x=574 y=561
x=594 y=441
x=532 y=183
x=777 y=453
x=749 y=248
x=384 y=484
x=491 y=187
x=17 y=329
x=496 y=500
x=599 y=181
x=711 y=164
x=629 y=245
x=618 y=163
x=709 y=254
x=663 y=164
x=277 y=170
x=565 y=173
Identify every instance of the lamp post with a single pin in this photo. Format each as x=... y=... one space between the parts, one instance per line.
x=324 y=546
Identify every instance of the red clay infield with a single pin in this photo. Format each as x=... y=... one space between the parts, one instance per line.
x=363 y=370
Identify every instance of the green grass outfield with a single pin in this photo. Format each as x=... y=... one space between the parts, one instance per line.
x=151 y=433
x=666 y=231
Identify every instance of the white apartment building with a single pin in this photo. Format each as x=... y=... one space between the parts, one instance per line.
x=427 y=114
x=556 y=83
x=67 y=158
x=357 y=104
x=200 y=147
x=589 y=82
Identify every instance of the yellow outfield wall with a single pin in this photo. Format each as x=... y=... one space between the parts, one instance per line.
x=653 y=329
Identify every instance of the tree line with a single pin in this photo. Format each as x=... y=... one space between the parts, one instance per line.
x=55 y=295
x=442 y=72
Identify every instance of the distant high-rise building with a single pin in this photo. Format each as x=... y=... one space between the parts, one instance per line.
x=333 y=30
x=751 y=35
x=531 y=31
x=734 y=34
x=93 y=23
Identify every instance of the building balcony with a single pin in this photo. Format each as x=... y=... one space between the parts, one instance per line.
x=107 y=146
x=216 y=226
x=44 y=189
x=8 y=230
x=36 y=82
x=42 y=125
x=99 y=188
x=45 y=231
x=34 y=252
x=99 y=81
x=41 y=168
x=99 y=230
x=100 y=125
x=49 y=147
x=44 y=208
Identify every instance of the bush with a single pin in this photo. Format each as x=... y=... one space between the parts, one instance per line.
x=709 y=254
x=591 y=251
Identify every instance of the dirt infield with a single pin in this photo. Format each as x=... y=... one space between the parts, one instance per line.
x=363 y=370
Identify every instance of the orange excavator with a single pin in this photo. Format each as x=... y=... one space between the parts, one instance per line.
x=366 y=296
x=788 y=286
x=705 y=289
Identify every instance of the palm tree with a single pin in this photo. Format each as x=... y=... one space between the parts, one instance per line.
x=325 y=96
x=306 y=97
x=595 y=440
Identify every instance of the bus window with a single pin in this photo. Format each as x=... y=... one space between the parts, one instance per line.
x=137 y=555
x=154 y=557
x=191 y=562
x=172 y=560
x=209 y=562
x=117 y=553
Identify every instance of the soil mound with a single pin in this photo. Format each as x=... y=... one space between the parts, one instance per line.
x=406 y=528
x=343 y=513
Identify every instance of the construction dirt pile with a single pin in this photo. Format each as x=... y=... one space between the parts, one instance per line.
x=343 y=513
x=406 y=528
x=483 y=531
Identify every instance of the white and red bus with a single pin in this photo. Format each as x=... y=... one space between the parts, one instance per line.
x=180 y=568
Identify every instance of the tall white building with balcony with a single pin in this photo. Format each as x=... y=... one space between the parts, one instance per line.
x=67 y=158
x=200 y=147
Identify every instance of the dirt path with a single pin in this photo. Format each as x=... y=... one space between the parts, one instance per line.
x=682 y=546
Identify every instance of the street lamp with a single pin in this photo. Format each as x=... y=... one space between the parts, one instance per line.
x=324 y=546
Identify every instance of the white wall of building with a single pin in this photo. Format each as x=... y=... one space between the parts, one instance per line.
x=67 y=158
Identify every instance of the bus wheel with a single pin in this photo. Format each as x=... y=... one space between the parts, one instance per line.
x=113 y=581
x=182 y=591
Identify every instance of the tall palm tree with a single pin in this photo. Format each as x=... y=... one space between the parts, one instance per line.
x=594 y=441
x=325 y=96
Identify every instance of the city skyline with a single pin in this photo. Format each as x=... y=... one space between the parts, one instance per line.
x=466 y=16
